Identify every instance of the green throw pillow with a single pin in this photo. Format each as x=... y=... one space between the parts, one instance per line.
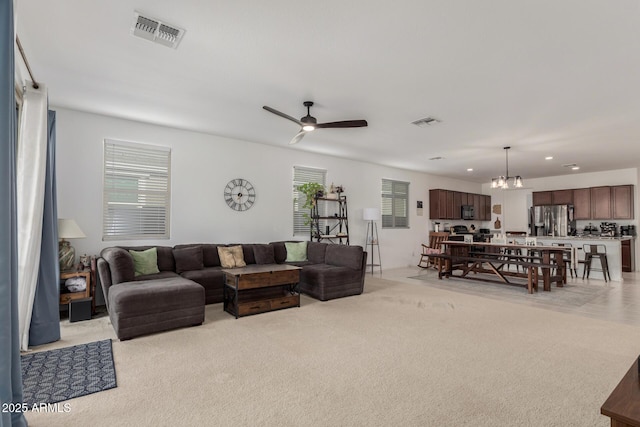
x=145 y=262
x=296 y=251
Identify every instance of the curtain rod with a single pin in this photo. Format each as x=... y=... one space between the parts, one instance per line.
x=24 y=58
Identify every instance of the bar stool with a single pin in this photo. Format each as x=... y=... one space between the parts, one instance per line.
x=595 y=251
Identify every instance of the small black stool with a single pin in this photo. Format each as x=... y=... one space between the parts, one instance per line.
x=595 y=251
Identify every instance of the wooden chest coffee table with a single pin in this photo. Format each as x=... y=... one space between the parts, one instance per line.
x=259 y=288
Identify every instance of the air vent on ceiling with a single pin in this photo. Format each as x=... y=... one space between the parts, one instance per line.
x=569 y=165
x=427 y=121
x=156 y=31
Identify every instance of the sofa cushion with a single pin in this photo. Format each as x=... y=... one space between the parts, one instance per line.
x=210 y=255
x=263 y=254
x=247 y=252
x=145 y=262
x=279 y=250
x=154 y=296
x=120 y=264
x=316 y=252
x=296 y=252
x=165 y=256
x=345 y=256
x=189 y=258
x=211 y=279
x=160 y=275
x=325 y=275
x=231 y=256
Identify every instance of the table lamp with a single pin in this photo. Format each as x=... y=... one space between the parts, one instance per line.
x=67 y=229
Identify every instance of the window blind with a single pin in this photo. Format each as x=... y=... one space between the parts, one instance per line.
x=136 y=191
x=303 y=175
x=395 y=204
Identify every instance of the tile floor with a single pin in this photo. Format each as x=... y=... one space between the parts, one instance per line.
x=613 y=301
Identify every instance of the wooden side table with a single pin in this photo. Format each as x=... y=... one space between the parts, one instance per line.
x=623 y=405
x=67 y=297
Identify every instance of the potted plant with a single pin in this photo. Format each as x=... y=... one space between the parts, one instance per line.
x=311 y=190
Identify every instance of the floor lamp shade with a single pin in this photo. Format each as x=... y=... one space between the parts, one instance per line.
x=67 y=229
x=370 y=214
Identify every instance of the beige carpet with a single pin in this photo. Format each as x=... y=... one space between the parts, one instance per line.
x=400 y=354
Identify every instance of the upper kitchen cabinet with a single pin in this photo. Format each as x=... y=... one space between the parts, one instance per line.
x=562 y=197
x=437 y=204
x=556 y=197
x=542 y=198
x=622 y=201
x=446 y=204
x=582 y=203
x=601 y=202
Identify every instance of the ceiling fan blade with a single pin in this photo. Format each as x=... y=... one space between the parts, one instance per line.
x=283 y=115
x=298 y=137
x=343 y=124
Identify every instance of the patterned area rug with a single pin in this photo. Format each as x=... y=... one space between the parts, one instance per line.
x=56 y=375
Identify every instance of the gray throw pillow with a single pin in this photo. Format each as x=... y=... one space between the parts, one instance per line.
x=264 y=254
x=188 y=259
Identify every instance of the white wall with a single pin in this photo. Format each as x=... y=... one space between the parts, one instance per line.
x=202 y=164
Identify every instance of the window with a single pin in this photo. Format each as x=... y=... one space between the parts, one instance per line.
x=136 y=192
x=395 y=204
x=303 y=175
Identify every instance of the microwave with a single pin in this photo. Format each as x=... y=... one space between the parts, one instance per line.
x=467 y=212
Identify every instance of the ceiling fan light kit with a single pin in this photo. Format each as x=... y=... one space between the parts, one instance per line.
x=503 y=180
x=309 y=123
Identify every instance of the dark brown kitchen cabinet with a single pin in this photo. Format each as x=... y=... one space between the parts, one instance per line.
x=449 y=206
x=582 y=203
x=542 y=198
x=457 y=205
x=622 y=201
x=481 y=215
x=437 y=204
x=601 y=202
x=627 y=255
x=476 y=206
x=487 y=212
x=562 y=197
x=446 y=204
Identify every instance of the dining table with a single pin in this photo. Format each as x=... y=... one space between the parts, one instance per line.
x=498 y=256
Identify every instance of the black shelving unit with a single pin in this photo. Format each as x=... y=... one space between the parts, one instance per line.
x=329 y=220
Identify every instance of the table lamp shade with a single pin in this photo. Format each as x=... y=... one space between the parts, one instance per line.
x=67 y=229
x=370 y=214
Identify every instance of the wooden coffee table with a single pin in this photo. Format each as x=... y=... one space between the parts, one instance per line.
x=260 y=288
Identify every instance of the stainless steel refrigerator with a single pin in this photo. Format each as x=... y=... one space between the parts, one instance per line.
x=552 y=220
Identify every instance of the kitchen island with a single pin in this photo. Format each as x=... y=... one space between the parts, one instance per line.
x=613 y=247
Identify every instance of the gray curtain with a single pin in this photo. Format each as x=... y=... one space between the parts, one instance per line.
x=45 y=318
x=10 y=374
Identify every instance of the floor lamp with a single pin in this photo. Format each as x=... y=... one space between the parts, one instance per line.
x=372 y=215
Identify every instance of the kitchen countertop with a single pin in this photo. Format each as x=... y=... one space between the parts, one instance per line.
x=586 y=237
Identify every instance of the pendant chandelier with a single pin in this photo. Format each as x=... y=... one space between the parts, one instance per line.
x=503 y=180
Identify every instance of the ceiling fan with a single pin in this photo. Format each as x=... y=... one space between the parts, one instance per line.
x=309 y=123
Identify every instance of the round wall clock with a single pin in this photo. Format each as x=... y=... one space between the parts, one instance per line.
x=239 y=194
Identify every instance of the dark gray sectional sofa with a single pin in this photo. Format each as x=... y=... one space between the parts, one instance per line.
x=190 y=276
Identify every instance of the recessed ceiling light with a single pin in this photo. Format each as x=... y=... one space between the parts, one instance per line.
x=470 y=170
x=575 y=168
x=549 y=158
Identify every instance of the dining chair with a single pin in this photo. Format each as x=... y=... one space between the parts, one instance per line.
x=435 y=238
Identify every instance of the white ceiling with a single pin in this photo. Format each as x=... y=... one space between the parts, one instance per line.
x=554 y=78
